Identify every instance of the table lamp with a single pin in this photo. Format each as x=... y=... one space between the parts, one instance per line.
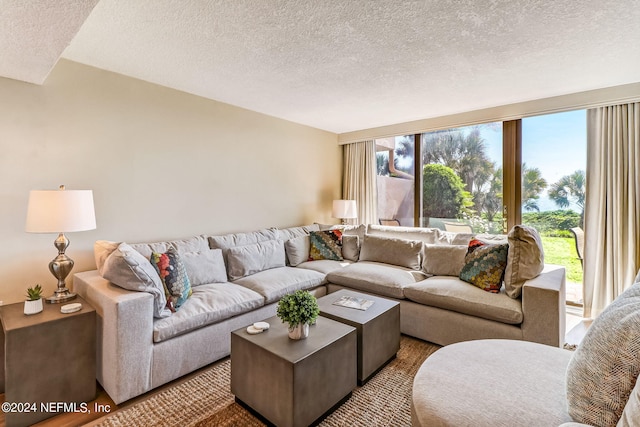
x=344 y=209
x=60 y=211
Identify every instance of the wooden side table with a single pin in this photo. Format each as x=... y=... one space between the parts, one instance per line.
x=378 y=329
x=49 y=362
x=294 y=383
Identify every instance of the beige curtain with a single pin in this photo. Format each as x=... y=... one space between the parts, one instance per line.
x=360 y=179
x=612 y=208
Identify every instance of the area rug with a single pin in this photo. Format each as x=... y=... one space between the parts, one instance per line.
x=206 y=399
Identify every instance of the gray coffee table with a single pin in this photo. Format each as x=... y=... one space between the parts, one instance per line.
x=294 y=382
x=378 y=329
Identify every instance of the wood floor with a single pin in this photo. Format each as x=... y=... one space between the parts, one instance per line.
x=576 y=325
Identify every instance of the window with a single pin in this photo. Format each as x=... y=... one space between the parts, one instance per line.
x=554 y=159
x=488 y=177
x=395 y=180
x=462 y=179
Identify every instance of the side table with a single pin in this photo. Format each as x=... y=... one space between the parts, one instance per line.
x=378 y=329
x=294 y=383
x=49 y=361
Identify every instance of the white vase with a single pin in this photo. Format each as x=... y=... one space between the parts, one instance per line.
x=33 y=307
x=299 y=332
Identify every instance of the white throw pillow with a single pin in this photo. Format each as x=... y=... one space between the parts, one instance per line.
x=127 y=268
x=405 y=253
x=297 y=250
x=251 y=259
x=444 y=260
x=205 y=267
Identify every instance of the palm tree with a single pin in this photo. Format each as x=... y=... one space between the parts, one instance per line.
x=532 y=185
x=570 y=189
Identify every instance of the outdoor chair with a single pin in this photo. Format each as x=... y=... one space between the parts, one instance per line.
x=578 y=235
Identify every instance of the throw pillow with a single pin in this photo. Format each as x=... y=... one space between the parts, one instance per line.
x=444 y=260
x=484 y=265
x=631 y=413
x=101 y=251
x=605 y=367
x=251 y=259
x=401 y=252
x=351 y=247
x=297 y=250
x=525 y=260
x=205 y=267
x=174 y=277
x=128 y=269
x=325 y=245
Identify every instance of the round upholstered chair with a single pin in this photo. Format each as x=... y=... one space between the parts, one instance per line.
x=519 y=383
x=492 y=383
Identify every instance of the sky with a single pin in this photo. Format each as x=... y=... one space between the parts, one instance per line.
x=554 y=143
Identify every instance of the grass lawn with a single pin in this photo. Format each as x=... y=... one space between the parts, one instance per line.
x=562 y=251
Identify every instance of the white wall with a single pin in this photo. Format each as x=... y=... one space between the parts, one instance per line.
x=162 y=164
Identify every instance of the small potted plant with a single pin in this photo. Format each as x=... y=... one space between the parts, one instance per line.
x=33 y=304
x=299 y=310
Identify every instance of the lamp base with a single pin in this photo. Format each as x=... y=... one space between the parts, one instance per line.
x=58 y=298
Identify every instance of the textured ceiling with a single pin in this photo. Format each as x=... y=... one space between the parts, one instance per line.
x=355 y=64
x=34 y=34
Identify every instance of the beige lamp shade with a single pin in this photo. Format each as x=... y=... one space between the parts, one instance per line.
x=344 y=209
x=60 y=211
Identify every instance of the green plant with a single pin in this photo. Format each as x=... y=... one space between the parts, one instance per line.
x=298 y=308
x=35 y=293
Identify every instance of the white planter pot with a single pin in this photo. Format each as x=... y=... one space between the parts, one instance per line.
x=33 y=307
x=299 y=332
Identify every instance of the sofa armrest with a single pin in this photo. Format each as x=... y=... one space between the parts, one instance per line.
x=543 y=307
x=124 y=335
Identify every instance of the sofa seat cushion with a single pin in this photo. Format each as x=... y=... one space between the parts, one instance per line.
x=382 y=279
x=451 y=293
x=208 y=304
x=274 y=283
x=325 y=266
x=492 y=383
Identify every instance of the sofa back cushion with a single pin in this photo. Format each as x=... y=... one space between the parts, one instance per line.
x=401 y=252
x=251 y=259
x=425 y=235
x=228 y=241
x=525 y=259
x=605 y=367
x=293 y=232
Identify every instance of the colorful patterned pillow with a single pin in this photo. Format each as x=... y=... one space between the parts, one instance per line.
x=174 y=277
x=325 y=245
x=484 y=265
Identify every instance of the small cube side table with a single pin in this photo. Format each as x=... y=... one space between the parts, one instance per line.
x=49 y=361
x=378 y=329
x=294 y=383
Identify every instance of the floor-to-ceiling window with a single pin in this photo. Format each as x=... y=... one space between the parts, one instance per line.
x=488 y=177
x=395 y=180
x=554 y=160
x=462 y=178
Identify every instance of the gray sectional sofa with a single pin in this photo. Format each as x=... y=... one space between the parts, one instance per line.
x=237 y=279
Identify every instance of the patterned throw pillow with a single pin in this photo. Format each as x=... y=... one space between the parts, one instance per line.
x=484 y=265
x=606 y=365
x=174 y=277
x=325 y=245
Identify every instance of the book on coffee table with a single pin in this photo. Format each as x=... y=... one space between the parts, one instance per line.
x=353 y=302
